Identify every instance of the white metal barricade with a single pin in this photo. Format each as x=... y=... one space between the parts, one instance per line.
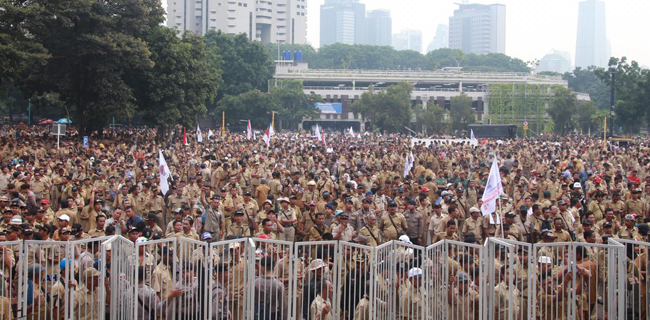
x=383 y=273
x=271 y=288
x=411 y=291
x=354 y=280
x=436 y=280
x=466 y=276
x=321 y=261
x=12 y=285
x=119 y=274
x=237 y=258
x=633 y=279
x=261 y=279
x=500 y=292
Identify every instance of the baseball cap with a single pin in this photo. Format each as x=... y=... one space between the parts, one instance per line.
x=206 y=235
x=415 y=272
x=315 y=265
x=463 y=277
x=545 y=259
x=312 y=203
x=64 y=217
x=360 y=239
x=140 y=240
x=630 y=216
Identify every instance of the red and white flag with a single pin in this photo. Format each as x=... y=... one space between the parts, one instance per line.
x=267 y=136
x=184 y=137
x=249 y=131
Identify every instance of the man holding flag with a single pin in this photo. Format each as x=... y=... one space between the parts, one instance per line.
x=493 y=190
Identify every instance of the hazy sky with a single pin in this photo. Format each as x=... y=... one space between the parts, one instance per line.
x=533 y=27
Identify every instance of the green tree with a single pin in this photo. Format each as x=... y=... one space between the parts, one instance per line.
x=563 y=106
x=245 y=64
x=585 y=116
x=293 y=104
x=18 y=49
x=586 y=80
x=461 y=112
x=176 y=90
x=389 y=109
x=92 y=45
x=253 y=105
x=433 y=119
x=631 y=93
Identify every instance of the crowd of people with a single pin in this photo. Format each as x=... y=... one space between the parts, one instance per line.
x=297 y=189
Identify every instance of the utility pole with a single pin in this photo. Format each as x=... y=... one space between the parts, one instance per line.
x=613 y=100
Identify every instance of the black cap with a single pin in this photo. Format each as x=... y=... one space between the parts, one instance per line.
x=247 y=193
x=238 y=213
x=392 y=203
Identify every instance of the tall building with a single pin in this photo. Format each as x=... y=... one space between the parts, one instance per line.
x=283 y=21
x=478 y=28
x=441 y=40
x=342 y=21
x=408 y=40
x=591 y=43
x=555 y=61
x=379 y=28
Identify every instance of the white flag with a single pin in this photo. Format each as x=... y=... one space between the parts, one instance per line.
x=472 y=139
x=271 y=131
x=408 y=163
x=351 y=132
x=199 y=136
x=254 y=136
x=210 y=133
x=493 y=190
x=164 y=173
x=249 y=131
x=318 y=136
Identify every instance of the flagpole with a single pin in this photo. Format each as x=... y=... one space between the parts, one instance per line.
x=223 y=124
x=273 y=119
x=501 y=218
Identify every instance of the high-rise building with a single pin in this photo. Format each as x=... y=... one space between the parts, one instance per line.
x=268 y=21
x=379 y=28
x=555 y=61
x=342 y=21
x=441 y=40
x=478 y=28
x=591 y=43
x=408 y=40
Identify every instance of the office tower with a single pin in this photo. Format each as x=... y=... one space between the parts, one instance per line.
x=591 y=42
x=342 y=21
x=283 y=21
x=441 y=40
x=379 y=27
x=408 y=40
x=478 y=28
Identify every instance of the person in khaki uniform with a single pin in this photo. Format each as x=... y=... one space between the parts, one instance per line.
x=250 y=209
x=635 y=204
x=463 y=300
x=448 y=234
x=310 y=194
x=321 y=307
x=319 y=229
x=412 y=295
x=392 y=224
x=371 y=231
x=307 y=221
x=86 y=297
x=503 y=301
x=473 y=223
x=629 y=231
x=161 y=278
x=287 y=217
x=238 y=228
x=560 y=234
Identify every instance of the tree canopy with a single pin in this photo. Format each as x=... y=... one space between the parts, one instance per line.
x=389 y=109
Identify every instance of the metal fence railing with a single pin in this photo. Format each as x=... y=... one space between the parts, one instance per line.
x=177 y=278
